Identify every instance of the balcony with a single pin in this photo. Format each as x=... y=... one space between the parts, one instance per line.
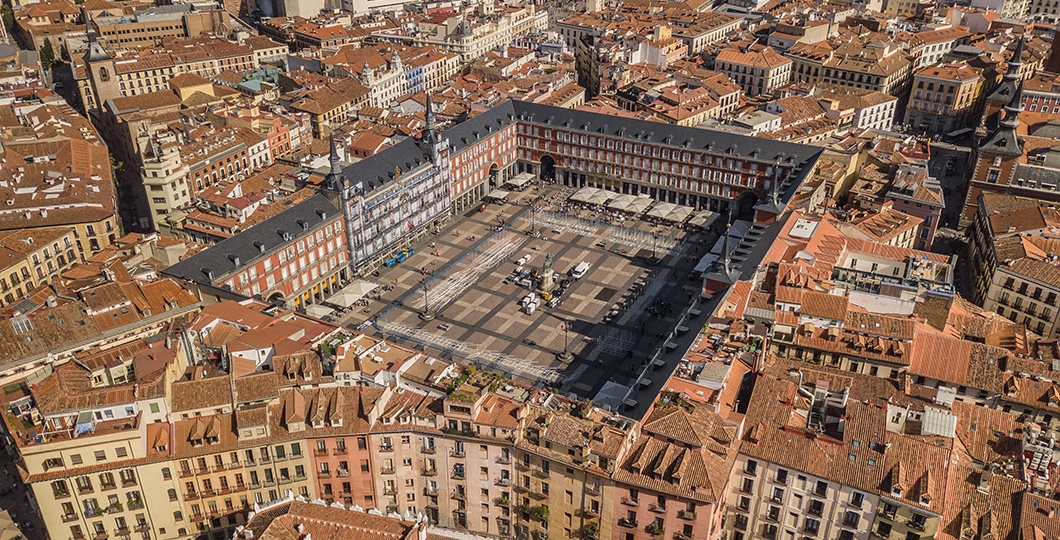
x=592 y=490
x=128 y=482
x=657 y=508
x=428 y=450
x=430 y=472
x=539 y=495
x=320 y=451
x=198 y=517
x=285 y=480
x=626 y=522
x=519 y=488
x=458 y=475
x=630 y=501
x=386 y=448
x=918 y=525
x=503 y=482
x=60 y=494
x=234 y=465
x=323 y=474
x=85 y=490
x=191 y=495
x=136 y=504
x=343 y=472
x=264 y=460
x=122 y=531
x=142 y=527
x=540 y=535
x=67 y=518
x=457 y=453
x=522 y=466
x=340 y=451
x=687 y=514
x=504 y=460
x=100 y=535
x=541 y=473
x=385 y=469
x=389 y=490
x=280 y=458
x=458 y=495
x=184 y=473
x=590 y=513
x=430 y=491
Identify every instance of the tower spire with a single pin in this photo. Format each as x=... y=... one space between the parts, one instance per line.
x=1014 y=108
x=726 y=261
x=334 y=178
x=430 y=114
x=1016 y=62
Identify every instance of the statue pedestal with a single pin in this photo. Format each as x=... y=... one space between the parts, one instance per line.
x=548 y=280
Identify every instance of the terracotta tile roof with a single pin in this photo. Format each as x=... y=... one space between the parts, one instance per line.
x=206 y=393
x=824 y=305
x=297 y=520
x=987 y=434
x=259 y=386
x=683 y=452
x=940 y=357
x=1039 y=517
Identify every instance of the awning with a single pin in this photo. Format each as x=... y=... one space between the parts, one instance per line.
x=591 y=195
x=703 y=219
x=675 y=213
x=318 y=311
x=498 y=195
x=350 y=293
x=631 y=204
x=520 y=180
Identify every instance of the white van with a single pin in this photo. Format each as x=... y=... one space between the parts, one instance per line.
x=579 y=270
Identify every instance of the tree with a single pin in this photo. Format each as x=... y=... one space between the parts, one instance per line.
x=47 y=54
x=7 y=15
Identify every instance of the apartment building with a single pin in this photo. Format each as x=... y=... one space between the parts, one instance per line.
x=469 y=35
x=332 y=103
x=35 y=257
x=563 y=470
x=296 y=257
x=1011 y=249
x=146 y=70
x=63 y=174
x=875 y=66
x=823 y=479
x=674 y=481
x=857 y=108
x=944 y=98
x=146 y=27
x=757 y=72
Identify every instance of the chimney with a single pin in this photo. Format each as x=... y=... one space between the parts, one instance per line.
x=421 y=533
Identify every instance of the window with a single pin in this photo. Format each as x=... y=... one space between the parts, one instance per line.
x=751 y=467
x=100 y=455
x=748 y=485
x=822 y=488
x=851 y=519
x=816 y=507
x=857 y=499
x=75 y=459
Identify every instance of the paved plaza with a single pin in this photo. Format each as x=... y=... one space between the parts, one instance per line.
x=477 y=312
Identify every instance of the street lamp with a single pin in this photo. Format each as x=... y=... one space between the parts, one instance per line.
x=426 y=313
x=565 y=355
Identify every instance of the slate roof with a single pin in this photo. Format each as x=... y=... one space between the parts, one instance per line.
x=220 y=258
